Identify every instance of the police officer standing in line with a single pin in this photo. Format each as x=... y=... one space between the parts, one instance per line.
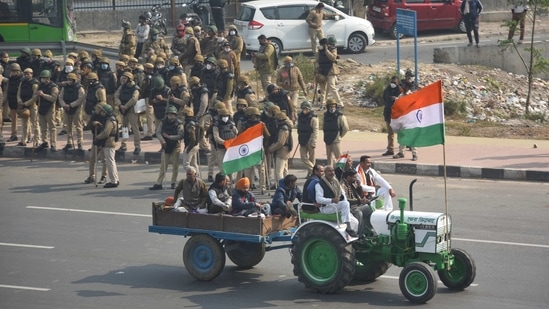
x=282 y=145
x=264 y=61
x=191 y=136
x=225 y=85
x=223 y=129
x=95 y=94
x=244 y=91
x=191 y=50
x=108 y=79
x=10 y=97
x=160 y=94
x=127 y=43
x=145 y=92
x=26 y=101
x=170 y=132
x=125 y=98
x=335 y=127
x=47 y=96
x=307 y=135
x=71 y=97
x=107 y=139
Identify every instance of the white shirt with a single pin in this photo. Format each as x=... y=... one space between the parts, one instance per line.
x=520 y=8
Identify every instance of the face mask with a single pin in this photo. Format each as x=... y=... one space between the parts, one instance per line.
x=332 y=110
x=171 y=67
x=92 y=82
x=208 y=66
x=232 y=32
x=227 y=49
x=320 y=47
x=225 y=118
x=160 y=66
x=47 y=59
x=187 y=36
x=393 y=85
x=69 y=68
x=155 y=37
x=219 y=39
x=289 y=65
x=104 y=66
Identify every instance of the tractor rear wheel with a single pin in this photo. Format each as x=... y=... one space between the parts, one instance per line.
x=462 y=273
x=417 y=282
x=244 y=254
x=322 y=259
x=204 y=257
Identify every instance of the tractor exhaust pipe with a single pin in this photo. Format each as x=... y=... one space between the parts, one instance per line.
x=411 y=193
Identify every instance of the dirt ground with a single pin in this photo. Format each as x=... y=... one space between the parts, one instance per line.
x=497 y=119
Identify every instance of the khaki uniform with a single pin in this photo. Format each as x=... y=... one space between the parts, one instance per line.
x=178 y=46
x=187 y=58
x=33 y=119
x=73 y=115
x=337 y=126
x=281 y=150
x=291 y=80
x=127 y=43
x=328 y=87
x=264 y=63
x=314 y=20
x=158 y=46
x=129 y=117
x=108 y=134
x=46 y=117
x=169 y=155
x=307 y=150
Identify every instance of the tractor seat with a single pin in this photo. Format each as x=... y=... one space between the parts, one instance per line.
x=320 y=216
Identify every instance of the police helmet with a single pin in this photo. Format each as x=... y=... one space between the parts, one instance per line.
x=45 y=74
x=171 y=110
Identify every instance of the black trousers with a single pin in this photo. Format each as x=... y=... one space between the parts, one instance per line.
x=218 y=15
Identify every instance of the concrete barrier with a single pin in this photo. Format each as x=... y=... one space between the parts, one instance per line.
x=492 y=56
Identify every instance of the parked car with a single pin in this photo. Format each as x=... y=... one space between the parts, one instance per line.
x=431 y=14
x=283 y=22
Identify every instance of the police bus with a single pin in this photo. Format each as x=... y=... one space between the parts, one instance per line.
x=29 y=21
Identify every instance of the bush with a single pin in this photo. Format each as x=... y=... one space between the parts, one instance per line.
x=537 y=117
x=456 y=108
x=373 y=87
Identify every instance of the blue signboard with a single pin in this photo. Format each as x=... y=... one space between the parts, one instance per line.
x=406 y=22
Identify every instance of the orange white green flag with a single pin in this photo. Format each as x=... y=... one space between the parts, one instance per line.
x=418 y=118
x=245 y=150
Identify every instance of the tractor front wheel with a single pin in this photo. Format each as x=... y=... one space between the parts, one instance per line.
x=461 y=274
x=322 y=259
x=417 y=282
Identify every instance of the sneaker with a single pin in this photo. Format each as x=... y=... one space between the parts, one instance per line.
x=414 y=158
x=477 y=45
x=102 y=180
x=12 y=138
x=398 y=155
x=111 y=184
x=470 y=44
x=89 y=180
x=147 y=138
x=173 y=186
x=388 y=153
x=21 y=144
x=67 y=147
x=136 y=151
x=210 y=178
x=156 y=187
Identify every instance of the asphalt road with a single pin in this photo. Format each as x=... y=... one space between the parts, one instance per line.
x=65 y=244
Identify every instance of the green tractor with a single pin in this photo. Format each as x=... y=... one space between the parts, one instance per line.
x=326 y=259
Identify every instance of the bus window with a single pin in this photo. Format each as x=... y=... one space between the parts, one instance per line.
x=46 y=12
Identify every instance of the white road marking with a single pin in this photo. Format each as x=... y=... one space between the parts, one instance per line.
x=395 y=277
x=502 y=242
x=25 y=246
x=90 y=211
x=17 y=287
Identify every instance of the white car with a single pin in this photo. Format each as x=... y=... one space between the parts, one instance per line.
x=283 y=22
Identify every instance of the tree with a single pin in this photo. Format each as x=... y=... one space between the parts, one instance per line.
x=534 y=62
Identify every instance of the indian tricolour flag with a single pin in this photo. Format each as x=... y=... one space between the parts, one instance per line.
x=418 y=118
x=245 y=150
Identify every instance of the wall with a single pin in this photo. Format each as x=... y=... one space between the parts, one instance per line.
x=494 y=10
x=491 y=56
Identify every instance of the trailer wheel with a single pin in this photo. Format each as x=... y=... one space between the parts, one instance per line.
x=204 y=257
x=369 y=270
x=462 y=273
x=418 y=282
x=322 y=259
x=244 y=254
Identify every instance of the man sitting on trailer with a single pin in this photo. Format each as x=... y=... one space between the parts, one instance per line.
x=285 y=195
x=194 y=193
x=328 y=194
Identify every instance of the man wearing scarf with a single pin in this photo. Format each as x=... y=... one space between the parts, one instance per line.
x=328 y=194
x=371 y=180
